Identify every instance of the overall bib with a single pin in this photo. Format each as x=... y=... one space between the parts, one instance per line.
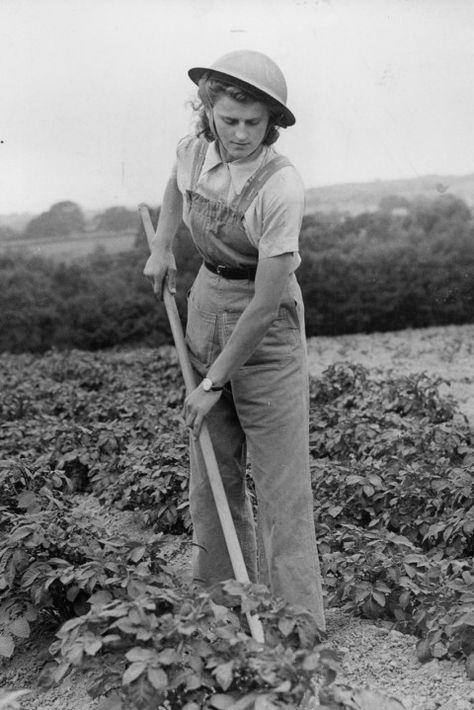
x=262 y=413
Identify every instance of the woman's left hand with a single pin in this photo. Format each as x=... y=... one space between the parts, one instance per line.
x=196 y=407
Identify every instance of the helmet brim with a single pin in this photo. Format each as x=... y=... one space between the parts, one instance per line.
x=196 y=74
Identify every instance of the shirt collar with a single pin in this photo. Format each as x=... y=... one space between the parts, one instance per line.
x=239 y=170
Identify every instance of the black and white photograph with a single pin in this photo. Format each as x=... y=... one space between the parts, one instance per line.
x=236 y=355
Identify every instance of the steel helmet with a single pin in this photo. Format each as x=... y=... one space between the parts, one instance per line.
x=253 y=70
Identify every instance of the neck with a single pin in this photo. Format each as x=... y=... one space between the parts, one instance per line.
x=226 y=158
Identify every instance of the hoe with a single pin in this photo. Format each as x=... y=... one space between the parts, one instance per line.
x=204 y=441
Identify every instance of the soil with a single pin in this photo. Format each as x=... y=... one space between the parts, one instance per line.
x=373 y=655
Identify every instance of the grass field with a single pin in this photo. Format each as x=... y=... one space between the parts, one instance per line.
x=68 y=249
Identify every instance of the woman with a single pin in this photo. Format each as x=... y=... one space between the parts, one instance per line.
x=243 y=204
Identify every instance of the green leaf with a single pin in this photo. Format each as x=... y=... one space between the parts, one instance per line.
x=353 y=479
x=99 y=598
x=157 y=678
x=311 y=662
x=286 y=625
x=246 y=703
x=224 y=674
x=193 y=681
x=138 y=653
x=379 y=597
x=20 y=628
x=220 y=611
x=168 y=656
x=284 y=687
x=143 y=695
x=75 y=654
x=46 y=678
x=7 y=645
x=92 y=645
x=68 y=626
x=31 y=614
x=221 y=701
x=375 y=480
x=137 y=553
x=133 y=672
x=464 y=620
x=439 y=650
x=27 y=499
x=60 y=671
x=21 y=533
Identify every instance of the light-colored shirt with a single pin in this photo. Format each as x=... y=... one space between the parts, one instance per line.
x=273 y=220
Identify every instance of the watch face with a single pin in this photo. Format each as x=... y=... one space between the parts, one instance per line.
x=206 y=384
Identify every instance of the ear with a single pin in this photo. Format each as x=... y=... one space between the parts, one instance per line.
x=210 y=120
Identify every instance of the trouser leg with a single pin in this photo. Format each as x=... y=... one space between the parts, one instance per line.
x=273 y=409
x=211 y=563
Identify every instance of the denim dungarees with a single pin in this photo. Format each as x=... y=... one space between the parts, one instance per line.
x=263 y=414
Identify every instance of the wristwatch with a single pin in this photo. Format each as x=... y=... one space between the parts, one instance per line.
x=208 y=386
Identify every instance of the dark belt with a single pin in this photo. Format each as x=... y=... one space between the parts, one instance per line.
x=229 y=272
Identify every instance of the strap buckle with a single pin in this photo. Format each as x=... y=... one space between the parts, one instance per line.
x=221 y=270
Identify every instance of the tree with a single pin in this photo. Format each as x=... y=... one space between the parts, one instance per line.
x=61 y=219
x=6 y=232
x=116 y=219
x=446 y=213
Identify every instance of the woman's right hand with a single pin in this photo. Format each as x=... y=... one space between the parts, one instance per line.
x=161 y=268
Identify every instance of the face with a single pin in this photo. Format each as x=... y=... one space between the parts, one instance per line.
x=241 y=127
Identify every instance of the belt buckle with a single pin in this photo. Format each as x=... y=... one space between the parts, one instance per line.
x=221 y=269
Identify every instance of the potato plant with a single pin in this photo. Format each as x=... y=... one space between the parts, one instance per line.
x=53 y=559
x=174 y=647
x=393 y=482
x=393 y=475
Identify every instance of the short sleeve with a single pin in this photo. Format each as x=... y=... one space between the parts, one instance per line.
x=185 y=151
x=281 y=207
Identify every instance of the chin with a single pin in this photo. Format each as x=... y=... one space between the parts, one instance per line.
x=237 y=154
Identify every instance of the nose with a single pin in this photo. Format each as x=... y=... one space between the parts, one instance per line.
x=241 y=132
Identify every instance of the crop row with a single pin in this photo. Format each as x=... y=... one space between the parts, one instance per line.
x=392 y=478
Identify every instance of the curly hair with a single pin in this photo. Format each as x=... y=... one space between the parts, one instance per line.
x=212 y=87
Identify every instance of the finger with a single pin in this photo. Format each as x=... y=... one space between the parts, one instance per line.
x=197 y=426
x=186 y=411
x=158 y=287
x=172 y=280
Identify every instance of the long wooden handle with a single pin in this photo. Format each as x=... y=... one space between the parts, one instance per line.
x=204 y=441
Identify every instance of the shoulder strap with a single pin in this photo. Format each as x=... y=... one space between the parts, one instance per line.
x=198 y=161
x=256 y=182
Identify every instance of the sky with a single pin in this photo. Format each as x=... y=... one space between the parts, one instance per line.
x=94 y=94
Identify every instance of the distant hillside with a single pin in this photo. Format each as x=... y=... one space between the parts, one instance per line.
x=365 y=196
x=353 y=197
x=16 y=221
